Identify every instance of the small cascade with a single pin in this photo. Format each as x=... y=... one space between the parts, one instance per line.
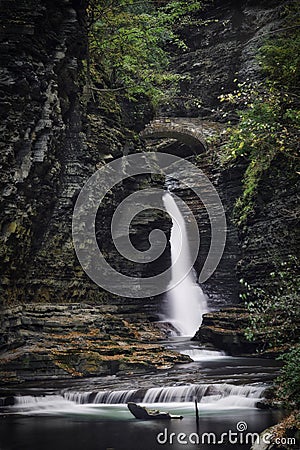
x=117 y=396
x=202 y=355
x=29 y=400
x=203 y=392
x=185 y=393
x=33 y=403
x=209 y=396
x=81 y=398
x=105 y=397
x=186 y=300
x=215 y=395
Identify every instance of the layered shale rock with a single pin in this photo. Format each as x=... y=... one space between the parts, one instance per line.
x=225 y=330
x=72 y=340
x=222 y=43
x=271 y=234
x=42 y=46
x=54 y=138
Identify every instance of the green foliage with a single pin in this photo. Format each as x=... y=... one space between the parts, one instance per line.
x=128 y=41
x=174 y=11
x=280 y=57
x=269 y=111
x=268 y=126
x=275 y=313
x=289 y=381
x=275 y=319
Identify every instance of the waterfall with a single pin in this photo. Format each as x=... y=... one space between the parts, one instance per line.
x=203 y=355
x=214 y=395
x=205 y=393
x=186 y=300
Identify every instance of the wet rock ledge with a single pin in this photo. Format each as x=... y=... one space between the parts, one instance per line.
x=44 y=341
x=225 y=330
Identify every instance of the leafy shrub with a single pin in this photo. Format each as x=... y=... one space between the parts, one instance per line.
x=268 y=111
x=289 y=380
x=128 y=41
x=275 y=314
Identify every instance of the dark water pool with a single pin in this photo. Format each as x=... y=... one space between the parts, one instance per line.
x=91 y=433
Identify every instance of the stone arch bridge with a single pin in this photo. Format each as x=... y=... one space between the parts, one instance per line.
x=193 y=132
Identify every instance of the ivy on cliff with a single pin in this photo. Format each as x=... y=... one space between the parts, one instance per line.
x=289 y=380
x=268 y=111
x=268 y=127
x=127 y=45
x=275 y=314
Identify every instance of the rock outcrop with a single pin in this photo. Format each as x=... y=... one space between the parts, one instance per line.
x=55 y=137
x=42 y=47
x=75 y=340
x=222 y=43
x=271 y=234
x=226 y=329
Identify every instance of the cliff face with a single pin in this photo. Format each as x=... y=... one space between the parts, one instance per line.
x=223 y=41
x=221 y=54
x=42 y=46
x=271 y=235
x=54 y=138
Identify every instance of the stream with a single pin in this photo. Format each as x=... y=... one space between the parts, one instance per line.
x=92 y=413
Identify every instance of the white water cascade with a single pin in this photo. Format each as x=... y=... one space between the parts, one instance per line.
x=186 y=300
x=211 y=396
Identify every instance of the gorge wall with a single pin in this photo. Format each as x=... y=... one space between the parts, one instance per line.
x=55 y=137
x=220 y=55
x=45 y=157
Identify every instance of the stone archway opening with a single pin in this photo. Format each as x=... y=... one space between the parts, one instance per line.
x=186 y=136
